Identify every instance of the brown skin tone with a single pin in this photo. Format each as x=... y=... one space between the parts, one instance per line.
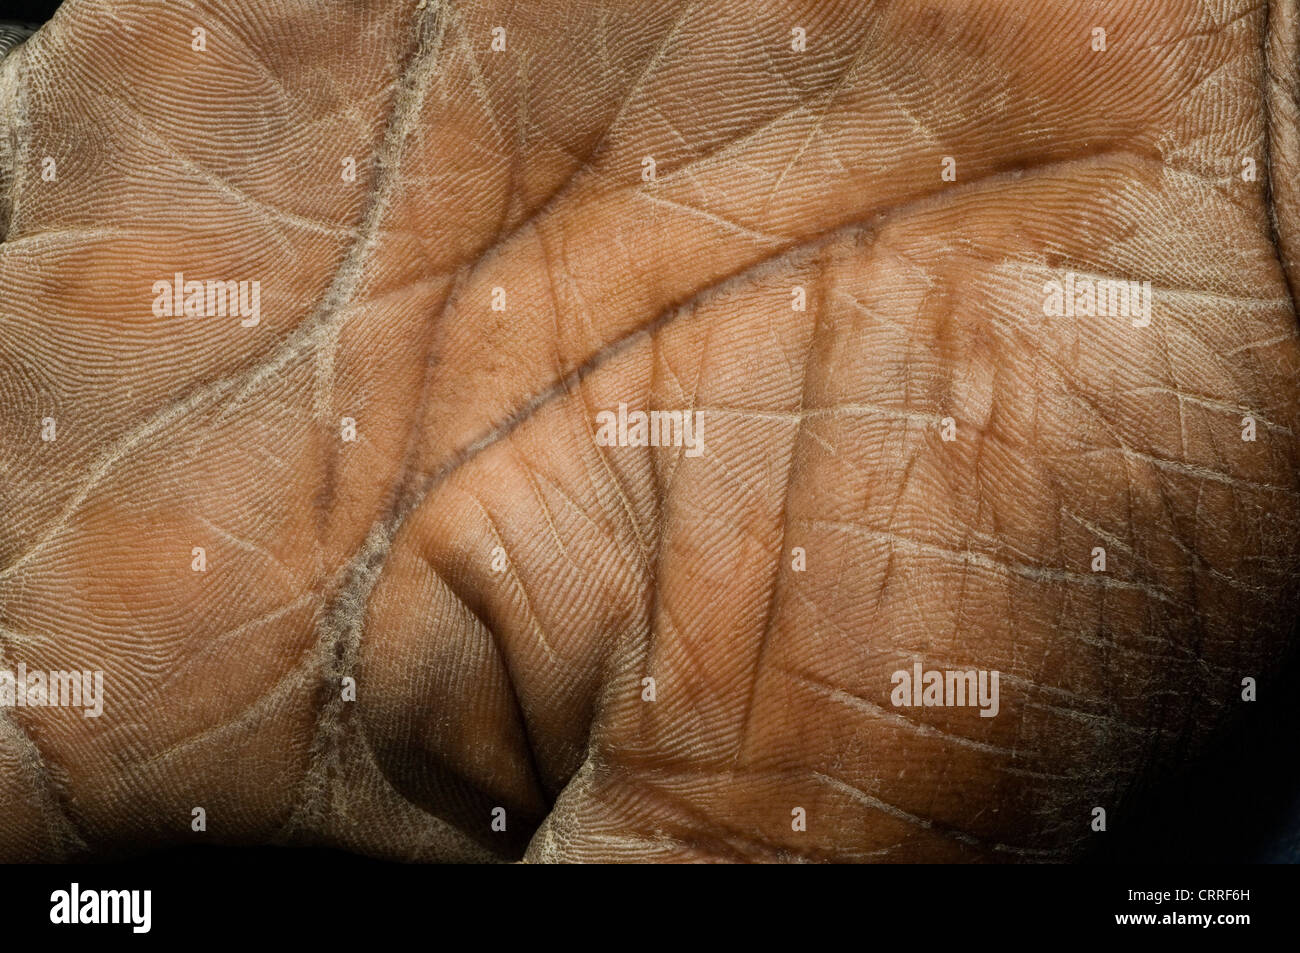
x=522 y=169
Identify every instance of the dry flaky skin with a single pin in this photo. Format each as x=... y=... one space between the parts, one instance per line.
x=522 y=170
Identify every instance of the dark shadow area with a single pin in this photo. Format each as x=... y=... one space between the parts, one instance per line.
x=1237 y=803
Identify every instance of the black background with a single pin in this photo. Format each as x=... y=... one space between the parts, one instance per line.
x=33 y=11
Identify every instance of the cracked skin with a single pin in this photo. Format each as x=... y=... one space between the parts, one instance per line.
x=521 y=169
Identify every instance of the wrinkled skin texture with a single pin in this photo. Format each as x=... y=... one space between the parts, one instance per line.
x=522 y=170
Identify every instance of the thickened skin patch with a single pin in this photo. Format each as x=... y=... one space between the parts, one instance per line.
x=587 y=430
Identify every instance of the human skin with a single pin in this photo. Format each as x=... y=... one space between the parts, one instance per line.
x=496 y=583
